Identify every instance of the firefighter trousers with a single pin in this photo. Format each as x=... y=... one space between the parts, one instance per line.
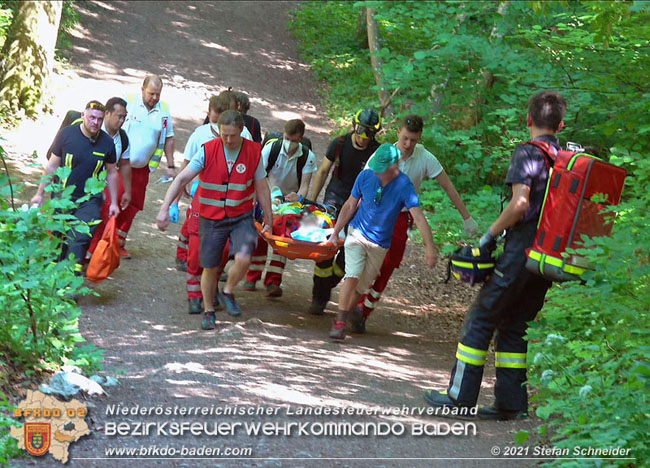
x=506 y=303
x=77 y=243
x=328 y=274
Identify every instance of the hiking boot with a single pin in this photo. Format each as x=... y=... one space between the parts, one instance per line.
x=358 y=320
x=316 y=308
x=273 y=290
x=208 y=320
x=181 y=265
x=447 y=407
x=496 y=414
x=248 y=286
x=195 y=306
x=337 y=332
x=124 y=254
x=219 y=302
x=231 y=305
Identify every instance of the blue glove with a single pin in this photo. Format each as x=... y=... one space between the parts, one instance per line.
x=173 y=213
x=195 y=186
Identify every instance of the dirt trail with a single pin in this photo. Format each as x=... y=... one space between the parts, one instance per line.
x=141 y=318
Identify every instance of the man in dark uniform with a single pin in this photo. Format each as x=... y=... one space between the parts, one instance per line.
x=513 y=295
x=348 y=155
x=87 y=150
x=252 y=124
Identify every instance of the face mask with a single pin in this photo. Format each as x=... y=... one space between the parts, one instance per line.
x=289 y=146
x=214 y=127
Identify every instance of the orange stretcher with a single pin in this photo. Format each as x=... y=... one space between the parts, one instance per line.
x=292 y=248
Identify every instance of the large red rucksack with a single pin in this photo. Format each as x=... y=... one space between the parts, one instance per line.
x=568 y=212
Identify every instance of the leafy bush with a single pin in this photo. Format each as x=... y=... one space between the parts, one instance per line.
x=39 y=326
x=8 y=447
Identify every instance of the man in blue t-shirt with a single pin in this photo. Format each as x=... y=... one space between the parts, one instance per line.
x=378 y=196
x=87 y=150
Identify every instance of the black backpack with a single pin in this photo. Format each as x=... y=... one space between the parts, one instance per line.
x=275 y=139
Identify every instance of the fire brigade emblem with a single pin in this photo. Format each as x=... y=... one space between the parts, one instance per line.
x=37 y=438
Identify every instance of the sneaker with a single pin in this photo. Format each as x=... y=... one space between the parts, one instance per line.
x=337 y=332
x=273 y=290
x=496 y=414
x=219 y=302
x=316 y=308
x=124 y=254
x=231 y=305
x=181 y=265
x=248 y=286
x=448 y=406
x=358 y=320
x=195 y=306
x=208 y=320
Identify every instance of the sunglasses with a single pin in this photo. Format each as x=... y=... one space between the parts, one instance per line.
x=377 y=198
x=94 y=105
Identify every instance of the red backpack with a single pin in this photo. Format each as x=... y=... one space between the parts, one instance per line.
x=568 y=211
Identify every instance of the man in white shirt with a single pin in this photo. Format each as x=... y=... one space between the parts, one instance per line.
x=151 y=133
x=417 y=163
x=290 y=165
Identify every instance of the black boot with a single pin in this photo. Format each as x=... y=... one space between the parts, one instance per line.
x=496 y=414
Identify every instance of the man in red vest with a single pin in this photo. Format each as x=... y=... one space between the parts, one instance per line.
x=231 y=175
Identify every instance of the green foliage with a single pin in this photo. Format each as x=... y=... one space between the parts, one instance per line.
x=8 y=447
x=326 y=36
x=470 y=68
x=446 y=222
x=39 y=326
x=7 y=11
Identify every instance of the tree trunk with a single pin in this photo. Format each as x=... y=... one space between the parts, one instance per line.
x=28 y=56
x=437 y=91
x=375 y=61
x=361 y=34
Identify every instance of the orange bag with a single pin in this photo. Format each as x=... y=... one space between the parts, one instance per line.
x=106 y=257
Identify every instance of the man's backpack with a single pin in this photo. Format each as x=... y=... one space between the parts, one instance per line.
x=568 y=211
x=275 y=139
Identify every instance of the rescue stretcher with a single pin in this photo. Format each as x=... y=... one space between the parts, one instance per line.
x=293 y=248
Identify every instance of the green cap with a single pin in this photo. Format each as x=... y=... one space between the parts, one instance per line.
x=385 y=156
